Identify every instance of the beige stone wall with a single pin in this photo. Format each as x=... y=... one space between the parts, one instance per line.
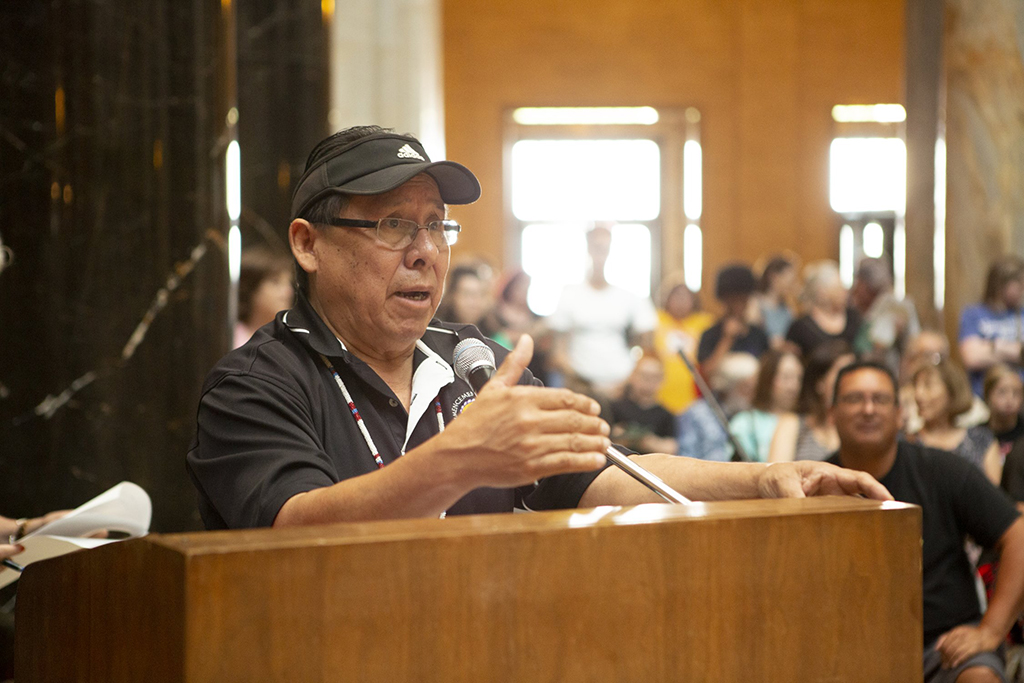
x=984 y=58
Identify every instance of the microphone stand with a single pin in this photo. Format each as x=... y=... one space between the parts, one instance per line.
x=738 y=454
x=645 y=477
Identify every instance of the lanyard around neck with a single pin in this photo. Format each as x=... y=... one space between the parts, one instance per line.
x=361 y=424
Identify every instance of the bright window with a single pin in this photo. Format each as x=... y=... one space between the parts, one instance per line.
x=868 y=175
x=581 y=180
x=555 y=255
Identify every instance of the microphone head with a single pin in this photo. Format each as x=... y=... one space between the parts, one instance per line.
x=472 y=354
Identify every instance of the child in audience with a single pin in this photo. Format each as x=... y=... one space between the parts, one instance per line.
x=1004 y=394
x=639 y=422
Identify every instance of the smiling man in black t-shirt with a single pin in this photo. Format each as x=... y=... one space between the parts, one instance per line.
x=957 y=501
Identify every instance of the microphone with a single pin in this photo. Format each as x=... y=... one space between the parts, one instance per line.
x=474 y=364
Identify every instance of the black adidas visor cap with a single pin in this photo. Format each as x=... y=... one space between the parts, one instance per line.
x=379 y=163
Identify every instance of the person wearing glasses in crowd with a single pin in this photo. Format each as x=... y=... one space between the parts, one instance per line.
x=961 y=642
x=346 y=407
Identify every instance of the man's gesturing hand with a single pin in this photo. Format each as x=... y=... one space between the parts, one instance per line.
x=808 y=478
x=513 y=435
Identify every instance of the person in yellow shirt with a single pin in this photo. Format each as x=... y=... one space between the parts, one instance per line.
x=680 y=325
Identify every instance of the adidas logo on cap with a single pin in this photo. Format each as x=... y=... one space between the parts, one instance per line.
x=407 y=152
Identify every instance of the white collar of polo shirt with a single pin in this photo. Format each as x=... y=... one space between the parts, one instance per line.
x=432 y=375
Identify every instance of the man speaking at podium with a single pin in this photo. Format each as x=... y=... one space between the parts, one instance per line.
x=344 y=408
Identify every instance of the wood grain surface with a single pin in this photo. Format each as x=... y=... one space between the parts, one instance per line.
x=798 y=590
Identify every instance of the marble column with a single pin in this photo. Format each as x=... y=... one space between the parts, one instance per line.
x=922 y=99
x=282 y=105
x=114 y=121
x=387 y=68
x=984 y=62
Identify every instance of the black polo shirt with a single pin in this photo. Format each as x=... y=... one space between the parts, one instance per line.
x=956 y=501
x=273 y=423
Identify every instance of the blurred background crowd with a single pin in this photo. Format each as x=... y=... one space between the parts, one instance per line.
x=768 y=349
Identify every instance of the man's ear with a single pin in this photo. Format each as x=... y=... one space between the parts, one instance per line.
x=302 y=238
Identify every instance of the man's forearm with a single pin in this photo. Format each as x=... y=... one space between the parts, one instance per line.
x=695 y=479
x=1008 y=592
x=412 y=486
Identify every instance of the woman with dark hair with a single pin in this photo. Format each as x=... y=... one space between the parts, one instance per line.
x=992 y=331
x=264 y=288
x=809 y=434
x=465 y=298
x=942 y=394
x=775 y=288
x=1003 y=392
x=775 y=394
x=511 y=317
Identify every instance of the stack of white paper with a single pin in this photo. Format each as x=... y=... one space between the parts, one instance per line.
x=124 y=509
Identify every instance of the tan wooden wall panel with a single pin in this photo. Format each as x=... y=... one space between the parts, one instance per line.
x=764 y=73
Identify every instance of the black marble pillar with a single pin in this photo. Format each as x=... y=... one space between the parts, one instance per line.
x=283 y=103
x=113 y=129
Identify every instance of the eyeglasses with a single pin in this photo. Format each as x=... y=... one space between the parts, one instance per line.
x=858 y=399
x=398 y=233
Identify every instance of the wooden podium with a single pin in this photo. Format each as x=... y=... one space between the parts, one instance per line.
x=825 y=589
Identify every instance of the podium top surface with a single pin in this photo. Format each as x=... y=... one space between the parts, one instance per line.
x=216 y=542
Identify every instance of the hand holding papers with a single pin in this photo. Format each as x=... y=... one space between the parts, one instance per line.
x=124 y=510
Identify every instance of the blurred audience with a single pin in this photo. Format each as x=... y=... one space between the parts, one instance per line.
x=775 y=394
x=511 y=318
x=828 y=316
x=924 y=349
x=465 y=298
x=680 y=326
x=776 y=288
x=942 y=392
x=991 y=332
x=888 y=323
x=264 y=289
x=596 y=323
x=638 y=421
x=700 y=433
x=809 y=434
x=734 y=287
x=1004 y=395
